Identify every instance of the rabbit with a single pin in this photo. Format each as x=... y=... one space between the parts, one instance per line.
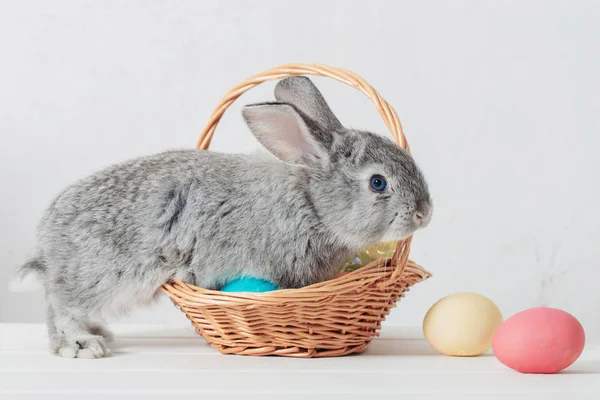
x=109 y=241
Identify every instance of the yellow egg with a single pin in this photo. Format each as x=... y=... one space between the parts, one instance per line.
x=381 y=250
x=462 y=324
x=378 y=251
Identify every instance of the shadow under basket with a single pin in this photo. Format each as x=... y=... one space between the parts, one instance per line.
x=332 y=318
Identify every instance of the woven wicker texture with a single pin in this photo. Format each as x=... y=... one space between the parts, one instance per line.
x=333 y=318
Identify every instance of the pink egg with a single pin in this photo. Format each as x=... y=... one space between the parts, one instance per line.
x=540 y=340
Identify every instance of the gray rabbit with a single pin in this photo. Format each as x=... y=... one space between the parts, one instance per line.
x=109 y=242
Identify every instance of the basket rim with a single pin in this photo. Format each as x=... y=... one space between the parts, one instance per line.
x=347 y=282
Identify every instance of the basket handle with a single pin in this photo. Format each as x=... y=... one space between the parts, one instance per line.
x=283 y=71
x=386 y=111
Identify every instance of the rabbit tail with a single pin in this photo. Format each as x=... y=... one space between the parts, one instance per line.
x=29 y=276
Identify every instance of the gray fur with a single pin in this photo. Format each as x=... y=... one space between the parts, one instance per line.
x=109 y=241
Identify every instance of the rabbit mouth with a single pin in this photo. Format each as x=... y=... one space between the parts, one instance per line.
x=400 y=229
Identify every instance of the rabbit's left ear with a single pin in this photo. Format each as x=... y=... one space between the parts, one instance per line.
x=286 y=134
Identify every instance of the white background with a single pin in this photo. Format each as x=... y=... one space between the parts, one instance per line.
x=500 y=102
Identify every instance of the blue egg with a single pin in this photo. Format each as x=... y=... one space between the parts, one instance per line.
x=247 y=284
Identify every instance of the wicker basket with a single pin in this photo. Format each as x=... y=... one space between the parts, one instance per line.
x=333 y=318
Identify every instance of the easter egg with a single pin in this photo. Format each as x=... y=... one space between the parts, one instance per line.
x=378 y=251
x=540 y=340
x=381 y=250
x=249 y=284
x=462 y=324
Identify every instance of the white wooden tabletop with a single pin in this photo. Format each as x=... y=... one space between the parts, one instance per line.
x=159 y=362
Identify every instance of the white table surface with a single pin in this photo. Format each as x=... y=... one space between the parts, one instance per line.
x=159 y=362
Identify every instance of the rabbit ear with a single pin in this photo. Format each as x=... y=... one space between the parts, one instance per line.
x=285 y=133
x=300 y=92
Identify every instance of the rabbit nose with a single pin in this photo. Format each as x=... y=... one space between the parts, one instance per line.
x=423 y=212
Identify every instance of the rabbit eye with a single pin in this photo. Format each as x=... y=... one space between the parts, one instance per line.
x=378 y=183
